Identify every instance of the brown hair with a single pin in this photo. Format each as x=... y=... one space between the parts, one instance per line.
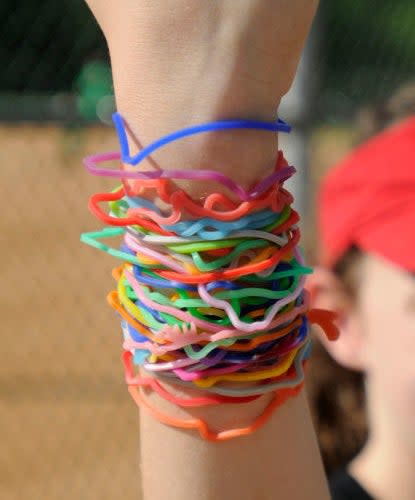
x=336 y=394
x=373 y=118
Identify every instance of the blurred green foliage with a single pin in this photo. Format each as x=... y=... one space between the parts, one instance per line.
x=366 y=48
x=44 y=44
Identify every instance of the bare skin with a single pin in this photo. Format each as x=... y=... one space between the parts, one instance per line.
x=377 y=337
x=178 y=63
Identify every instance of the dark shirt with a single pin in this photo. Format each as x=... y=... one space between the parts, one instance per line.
x=344 y=487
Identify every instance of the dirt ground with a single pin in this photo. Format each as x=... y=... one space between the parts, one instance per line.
x=70 y=430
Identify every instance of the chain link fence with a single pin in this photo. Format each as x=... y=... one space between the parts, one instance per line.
x=54 y=61
x=70 y=428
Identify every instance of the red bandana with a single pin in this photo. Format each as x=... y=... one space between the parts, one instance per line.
x=368 y=199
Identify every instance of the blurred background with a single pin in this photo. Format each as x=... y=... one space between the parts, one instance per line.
x=69 y=427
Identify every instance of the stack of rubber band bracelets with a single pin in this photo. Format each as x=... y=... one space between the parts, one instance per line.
x=208 y=292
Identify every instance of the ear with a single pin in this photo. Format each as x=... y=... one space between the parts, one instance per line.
x=327 y=292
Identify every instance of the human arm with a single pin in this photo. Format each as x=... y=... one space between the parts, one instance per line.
x=177 y=63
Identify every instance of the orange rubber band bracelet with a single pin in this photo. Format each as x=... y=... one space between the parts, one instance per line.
x=280 y=397
x=114 y=302
x=94 y=207
x=325 y=319
x=274 y=200
x=180 y=200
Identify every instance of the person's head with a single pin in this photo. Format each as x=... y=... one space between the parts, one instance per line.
x=366 y=215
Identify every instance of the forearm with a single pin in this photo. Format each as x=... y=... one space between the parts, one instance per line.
x=279 y=461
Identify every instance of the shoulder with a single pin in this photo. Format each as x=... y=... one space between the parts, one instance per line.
x=345 y=487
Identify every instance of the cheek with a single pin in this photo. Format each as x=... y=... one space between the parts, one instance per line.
x=388 y=331
x=380 y=341
x=390 y=354
x=402 y=371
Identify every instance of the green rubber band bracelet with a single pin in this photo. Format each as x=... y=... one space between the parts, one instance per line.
x=251 y=300
x=284 y=216
x=130 y=307
x=171 y=320
x=215 y=264
x=191 y=305
x=295 y=271
x=108 y=232
x=201 y=246
x=220 y=343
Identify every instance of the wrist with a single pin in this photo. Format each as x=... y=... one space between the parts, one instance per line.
x=245 y=155
x=217 y=417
